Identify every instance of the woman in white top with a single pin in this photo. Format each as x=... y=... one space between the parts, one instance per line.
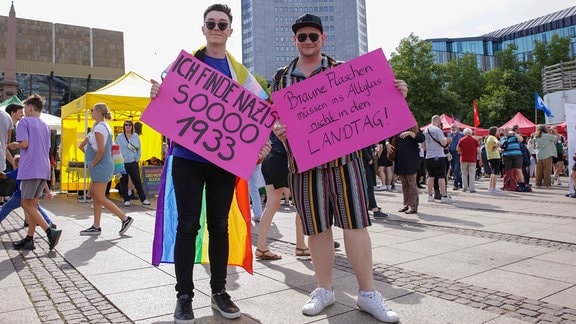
x=98 y=155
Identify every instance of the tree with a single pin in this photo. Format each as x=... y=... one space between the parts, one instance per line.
x=414 y=63
x=466 y=81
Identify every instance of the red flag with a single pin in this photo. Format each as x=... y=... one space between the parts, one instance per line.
x=476 y=116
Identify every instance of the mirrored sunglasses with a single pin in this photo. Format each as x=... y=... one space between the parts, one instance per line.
x=212 y=24
x=302 y=37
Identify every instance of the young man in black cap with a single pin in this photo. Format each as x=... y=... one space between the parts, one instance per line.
x=323 y=211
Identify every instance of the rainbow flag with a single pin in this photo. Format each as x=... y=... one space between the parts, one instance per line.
x=239 y=223
x=240 y=237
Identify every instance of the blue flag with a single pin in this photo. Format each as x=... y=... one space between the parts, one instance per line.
x=539 y=104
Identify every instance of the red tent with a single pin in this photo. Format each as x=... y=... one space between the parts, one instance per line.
x=447 y=122
x=526 y=126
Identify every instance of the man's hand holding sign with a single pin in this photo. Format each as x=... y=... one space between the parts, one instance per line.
x=342 y=110
x=211 y=114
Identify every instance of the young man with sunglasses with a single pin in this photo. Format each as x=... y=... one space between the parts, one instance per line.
x=192 y=174
x=335 y=179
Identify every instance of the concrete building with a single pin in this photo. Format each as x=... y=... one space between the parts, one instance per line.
x=60 y=62
x=267 y=31
x=523 y=35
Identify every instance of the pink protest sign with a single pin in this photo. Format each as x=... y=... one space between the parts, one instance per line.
x=342 y=110
x=211 y=115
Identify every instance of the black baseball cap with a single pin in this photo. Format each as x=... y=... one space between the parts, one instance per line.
x=308 y=20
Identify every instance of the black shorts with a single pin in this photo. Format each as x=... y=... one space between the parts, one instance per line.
x=495 y=165
x=436 y=167
x=513 y=162
x=557 y=159
x=383 y=160
x=275 y=170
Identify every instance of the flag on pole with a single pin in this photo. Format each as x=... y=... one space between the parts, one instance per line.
x=476 y=116
x=540 y=105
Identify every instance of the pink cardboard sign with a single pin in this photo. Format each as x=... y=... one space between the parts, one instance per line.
x=211 y=115
x=342 y=110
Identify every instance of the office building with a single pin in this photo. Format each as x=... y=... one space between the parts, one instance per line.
x=523 y=35
x=57 y=61
x=267 y=31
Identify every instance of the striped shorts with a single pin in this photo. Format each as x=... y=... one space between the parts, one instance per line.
x=334 y=195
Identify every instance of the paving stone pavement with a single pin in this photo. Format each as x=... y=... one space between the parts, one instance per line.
x=462 y=263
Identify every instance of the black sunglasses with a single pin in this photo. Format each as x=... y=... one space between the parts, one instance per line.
x=211 y=24
x=303 y=36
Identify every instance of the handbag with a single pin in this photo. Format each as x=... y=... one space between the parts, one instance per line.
x=118 y=160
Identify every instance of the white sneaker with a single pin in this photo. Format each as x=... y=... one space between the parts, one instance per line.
x=127 y=203
x=375 y=306
x=145 y=202
x=430 y=198
x=446 y=200
x=320 y=298
x=496 y=190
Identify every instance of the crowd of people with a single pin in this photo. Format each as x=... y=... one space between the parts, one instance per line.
x=339 y=193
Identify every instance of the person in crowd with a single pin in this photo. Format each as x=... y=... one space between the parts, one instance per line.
x=492 y=146
x=421 y=176
x=275 y=172
x=15 y=201
x=526 y=161
x=558 y=161
x=321 y=205
x=455 y=135
x=98 y=156
x=191 y=173
x=131 y=150
x=469 y=152
x=8 y=186
x=487 y=169
x=512 y=154
x=406 y=166
x=545 y=150
x=368 y=155
x=573 y=175
x=254 y=184
x=7 y=130
x=436 y=144
x=33 y=141
x=385 y=168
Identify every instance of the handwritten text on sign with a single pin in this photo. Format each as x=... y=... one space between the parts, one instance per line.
x=342 y=110
x=211 y=115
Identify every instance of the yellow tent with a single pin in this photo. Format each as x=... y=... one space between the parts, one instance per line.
x=126 y=97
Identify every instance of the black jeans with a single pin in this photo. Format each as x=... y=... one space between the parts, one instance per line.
x=189 y=179
x=132 y=171
x=369 y=169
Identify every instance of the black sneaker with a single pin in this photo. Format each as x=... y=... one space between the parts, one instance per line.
x=53 y=226
x=91 y=231
x=183 y=313
x=24 y=244
x=379 y=215
x=222 y=302
x=53 y=237
x=126 y=224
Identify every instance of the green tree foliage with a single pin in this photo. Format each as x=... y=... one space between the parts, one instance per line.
x=452 y=88
x=465 y=81
x=414 y=63
x=263 y=83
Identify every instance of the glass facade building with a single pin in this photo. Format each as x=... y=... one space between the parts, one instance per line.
x=523 y=35
x=267 y=31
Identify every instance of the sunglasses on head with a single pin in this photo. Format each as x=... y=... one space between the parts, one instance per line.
x=210 y=25
x=302 y=37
